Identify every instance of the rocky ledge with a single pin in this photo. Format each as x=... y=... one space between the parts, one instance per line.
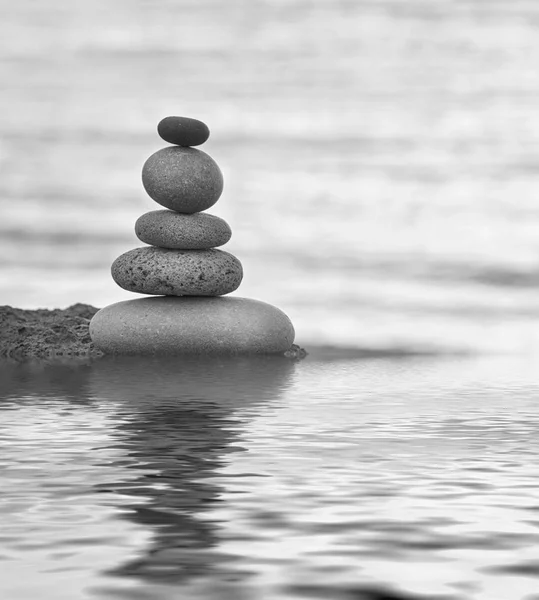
x=45 y=333
x=59 y=333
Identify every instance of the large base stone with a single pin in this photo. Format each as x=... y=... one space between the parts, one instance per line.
x=191 y=325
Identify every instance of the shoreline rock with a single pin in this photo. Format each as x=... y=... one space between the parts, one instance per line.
x=45 y=334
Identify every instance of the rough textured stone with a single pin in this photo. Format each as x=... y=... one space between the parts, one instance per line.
x=163 y=272
x=183 y=131
x=183 y=179
x=169 y=229
x=46 y=334
x=191 y=325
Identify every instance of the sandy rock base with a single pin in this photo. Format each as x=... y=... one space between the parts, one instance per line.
x=45 y=333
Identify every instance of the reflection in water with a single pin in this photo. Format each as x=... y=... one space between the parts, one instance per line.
x=177 y=425
x=48 y=380
x=362 y=479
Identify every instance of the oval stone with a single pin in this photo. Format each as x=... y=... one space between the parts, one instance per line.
x=163 y=272
x=183 y=179
x=169 y=229
x=183 y=131
x=168 y=325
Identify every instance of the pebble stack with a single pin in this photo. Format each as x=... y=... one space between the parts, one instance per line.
x=182 y=268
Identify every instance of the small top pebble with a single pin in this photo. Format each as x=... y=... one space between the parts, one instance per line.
x=183 y=131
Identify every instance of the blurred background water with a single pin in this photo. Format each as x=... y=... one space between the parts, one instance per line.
x=380 y=157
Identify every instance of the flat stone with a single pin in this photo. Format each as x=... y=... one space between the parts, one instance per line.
x=163 y=272
x=183 y=131
x=169 y=229
x=168 y=325
x=183 y=179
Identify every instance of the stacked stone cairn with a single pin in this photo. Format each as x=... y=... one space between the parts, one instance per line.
x=181 y=270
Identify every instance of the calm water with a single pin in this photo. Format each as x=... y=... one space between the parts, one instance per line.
x=380 y=157
x=246 y=479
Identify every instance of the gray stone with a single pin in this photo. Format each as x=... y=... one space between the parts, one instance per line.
x=183 y=131
x=163 y=272
x=168 y=325
x=169 y=229
x=183 y=179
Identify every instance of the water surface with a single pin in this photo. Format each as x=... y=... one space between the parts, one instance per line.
x=264 y=478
